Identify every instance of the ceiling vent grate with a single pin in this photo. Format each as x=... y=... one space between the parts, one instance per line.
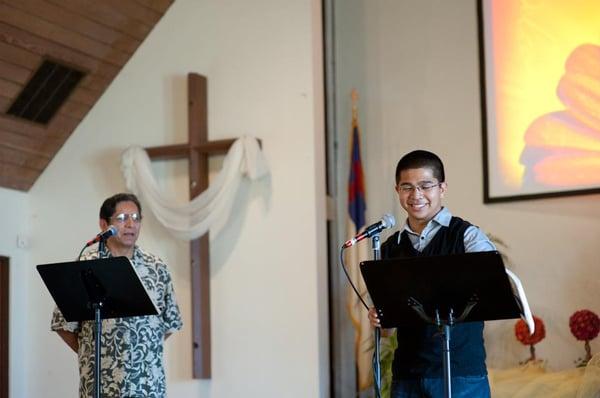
x=44 y=94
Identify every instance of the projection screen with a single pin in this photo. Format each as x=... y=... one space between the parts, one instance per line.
x=540 y=80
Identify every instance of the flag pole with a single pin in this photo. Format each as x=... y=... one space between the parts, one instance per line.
x=376 y=247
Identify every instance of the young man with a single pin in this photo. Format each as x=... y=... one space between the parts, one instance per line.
x=132 y=348
x=430 y=229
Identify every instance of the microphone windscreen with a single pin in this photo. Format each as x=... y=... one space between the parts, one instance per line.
x=388 y=220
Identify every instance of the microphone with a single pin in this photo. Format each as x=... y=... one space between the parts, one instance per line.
x=110 y=231
x=387 y=221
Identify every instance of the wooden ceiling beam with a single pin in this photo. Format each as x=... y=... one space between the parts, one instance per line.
x=14 y=73
x=69 y=20
x=23 y=158
x=42 y=146
x=97 y=37
x=80 y=94
x=22 y=71
x=84 y=95
x=10 y=89
x=57 y=34
x=158 y=5
x=106 y=15
x=26 y=173
x=16 y=183
x=19 y=56
x=96 y=82
x=70 y=108
x=46 y=48
x=135 y=11
x=59 y=127
x=74 y=109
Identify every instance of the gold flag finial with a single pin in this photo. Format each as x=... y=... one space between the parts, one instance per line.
x=354 y=96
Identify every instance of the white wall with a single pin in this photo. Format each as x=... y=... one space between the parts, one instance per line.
x=268 y=265
x=420 y=89
x=15 y=225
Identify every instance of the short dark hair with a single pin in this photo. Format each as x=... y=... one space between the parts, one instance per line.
x=420 y=159
x=107 y=210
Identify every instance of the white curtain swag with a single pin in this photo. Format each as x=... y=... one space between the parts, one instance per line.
x=193 y=219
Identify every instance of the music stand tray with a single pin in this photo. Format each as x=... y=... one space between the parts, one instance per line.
x=441 y=290
x=95 y=290
x=440 y=282
x=73 y=286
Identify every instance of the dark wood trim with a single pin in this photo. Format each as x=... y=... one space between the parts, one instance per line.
x=23 y=159
x=487 y=198
x=483 y=99
x=4 y=321
x=197 y=151
x=43 y=147
x=157 y=5
x=105 y=14
x=19 y=56
x=57 y=129
x=183 y=150
x=15 y=183
x=135 y=12
x=52 y=33
x=199 y=248
x=65 y=18
x=42 y=46
x=94 y=37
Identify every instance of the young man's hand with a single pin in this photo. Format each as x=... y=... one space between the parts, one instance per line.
x=373 y=318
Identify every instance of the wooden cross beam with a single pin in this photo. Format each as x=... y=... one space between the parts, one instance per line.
x=197 y=151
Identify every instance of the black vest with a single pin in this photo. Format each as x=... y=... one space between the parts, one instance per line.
x=419 y=345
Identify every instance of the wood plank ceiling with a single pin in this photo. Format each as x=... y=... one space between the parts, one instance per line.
x=95 y=36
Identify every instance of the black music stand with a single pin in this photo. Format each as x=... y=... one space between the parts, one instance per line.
x=433 y=289
x=95 y=290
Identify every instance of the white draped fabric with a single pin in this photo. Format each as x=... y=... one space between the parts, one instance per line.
x=533 y=380
x=194 y=218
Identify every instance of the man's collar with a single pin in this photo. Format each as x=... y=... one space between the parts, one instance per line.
x=443 y=218
x=107 y=253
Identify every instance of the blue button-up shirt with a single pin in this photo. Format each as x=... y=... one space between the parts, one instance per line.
x=475 y=240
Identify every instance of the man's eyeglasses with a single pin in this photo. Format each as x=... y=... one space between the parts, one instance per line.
x=123 y=217
x=425 y=187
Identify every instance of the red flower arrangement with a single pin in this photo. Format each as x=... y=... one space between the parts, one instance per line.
x=585 y=326
x=524 y=335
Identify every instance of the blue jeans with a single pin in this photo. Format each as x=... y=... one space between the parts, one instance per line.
x=462 y=387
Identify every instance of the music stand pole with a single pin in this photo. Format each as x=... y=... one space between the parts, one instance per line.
x=444 y=327
x=98 y=341
x=97 y=306
x=479 y=283
x=376 y=247
x=94 y=290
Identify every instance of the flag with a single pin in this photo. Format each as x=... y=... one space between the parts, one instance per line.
x=363 y=343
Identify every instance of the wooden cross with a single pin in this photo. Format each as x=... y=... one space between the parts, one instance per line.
x=197 y=151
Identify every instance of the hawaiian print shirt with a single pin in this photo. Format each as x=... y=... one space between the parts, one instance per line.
x=132 y=348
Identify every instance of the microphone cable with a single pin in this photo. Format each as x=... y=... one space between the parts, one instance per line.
x=350 y=279
x=375 y=361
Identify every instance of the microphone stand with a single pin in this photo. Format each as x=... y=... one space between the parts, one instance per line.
x=376 y=247
x=97 y=305
x=97 y=295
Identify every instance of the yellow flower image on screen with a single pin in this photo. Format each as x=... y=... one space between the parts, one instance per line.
x=543 y=95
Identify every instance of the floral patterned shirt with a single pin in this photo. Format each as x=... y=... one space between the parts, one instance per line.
x=132 y=348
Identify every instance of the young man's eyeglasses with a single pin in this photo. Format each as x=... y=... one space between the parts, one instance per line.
x=425 y=187
x=123 y=217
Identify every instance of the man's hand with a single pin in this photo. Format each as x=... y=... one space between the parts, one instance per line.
x=376 y=323
x=373 y=318
x=70 y=338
